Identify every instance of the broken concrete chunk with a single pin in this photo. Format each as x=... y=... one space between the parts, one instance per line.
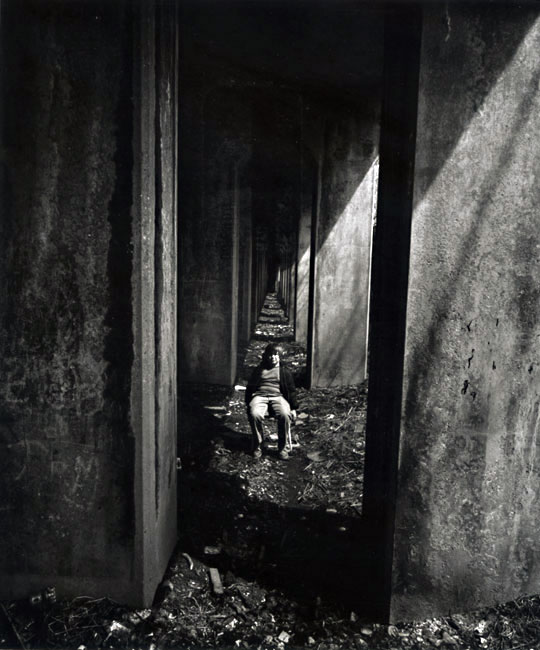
x=284 y=637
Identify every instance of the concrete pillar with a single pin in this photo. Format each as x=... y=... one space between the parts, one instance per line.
x=390 y=262
x=342 y=264
x=160 y=447
x=217 y=131
x=260 y=277
x=471 y=406
x=284 y=274
x=87 y=405
x=304 y=253
x=292 y=279
x=245 y=272
x=460 y=424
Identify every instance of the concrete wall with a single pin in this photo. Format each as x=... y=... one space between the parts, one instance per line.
x=287 y=274
x=154 y=376
x=245 y=252
x=216 y=146
x=468 y=507
x=342 y=264
x=74 y=314
x=303 y=257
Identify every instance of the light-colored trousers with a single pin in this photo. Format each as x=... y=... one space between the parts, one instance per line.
x=278 y=407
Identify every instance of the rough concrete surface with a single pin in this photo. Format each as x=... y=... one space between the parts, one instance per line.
x=65 y=343
x=468 y=507
x=219 y=121
x=72 y=309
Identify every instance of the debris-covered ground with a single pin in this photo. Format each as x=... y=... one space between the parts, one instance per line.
x=267 y=548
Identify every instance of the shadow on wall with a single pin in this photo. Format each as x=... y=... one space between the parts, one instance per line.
x=347 y=202
x=471 y=138
x=472 y=167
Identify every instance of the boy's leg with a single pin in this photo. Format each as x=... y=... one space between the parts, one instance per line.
x=257 y=410
x=282 y=410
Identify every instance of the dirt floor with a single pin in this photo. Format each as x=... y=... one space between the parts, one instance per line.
x=267 y=555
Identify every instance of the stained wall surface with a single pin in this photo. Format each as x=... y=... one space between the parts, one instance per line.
x=70 y=307
x=216 y=143
x=468 y=506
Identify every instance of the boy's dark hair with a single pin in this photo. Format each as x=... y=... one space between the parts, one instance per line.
x=271 y=349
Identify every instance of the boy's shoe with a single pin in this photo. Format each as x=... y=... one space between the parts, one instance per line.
x=257 y=453
x=284 y=455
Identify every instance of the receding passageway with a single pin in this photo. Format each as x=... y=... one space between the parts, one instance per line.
x=165 y=165
x=292 y=527
x=325 y=469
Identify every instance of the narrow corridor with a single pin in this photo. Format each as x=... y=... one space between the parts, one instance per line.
x=290 y=529
x=325 y=470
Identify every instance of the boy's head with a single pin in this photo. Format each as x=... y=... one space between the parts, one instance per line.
x=271 y=355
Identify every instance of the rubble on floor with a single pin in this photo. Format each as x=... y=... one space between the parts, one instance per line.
x=264 y=544
x=188 y=615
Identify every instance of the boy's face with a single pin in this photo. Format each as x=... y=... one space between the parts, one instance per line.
x=272 y=359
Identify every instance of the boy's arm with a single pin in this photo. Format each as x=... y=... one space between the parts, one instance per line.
x=291 y=389
x=251 y=386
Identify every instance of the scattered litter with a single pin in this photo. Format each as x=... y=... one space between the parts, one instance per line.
x=117 y=629
x=190 y=561
x=226 y=501
x=216 y=581
x=212 y=550
x=45 y=597
x=446 y=638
